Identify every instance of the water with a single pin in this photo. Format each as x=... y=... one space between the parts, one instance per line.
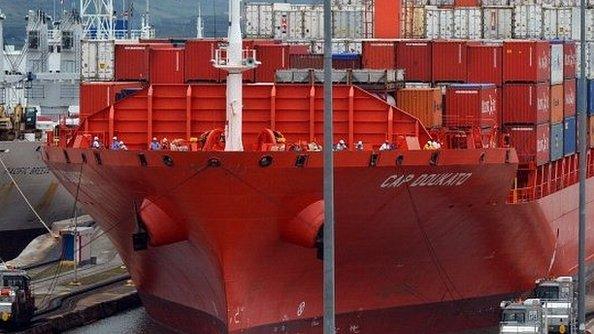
x=135 y=321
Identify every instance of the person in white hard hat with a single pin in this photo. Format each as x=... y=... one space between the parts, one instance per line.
x=123 y=146
x=341 y=146
x=96 y=143
x=115 y=143
x=385 y=146
x=359 y=145
x=155 y=145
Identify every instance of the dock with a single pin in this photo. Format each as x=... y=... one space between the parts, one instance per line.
x=67 y=297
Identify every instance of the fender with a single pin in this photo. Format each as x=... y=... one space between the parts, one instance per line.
x=162 y=228
x=304 y=228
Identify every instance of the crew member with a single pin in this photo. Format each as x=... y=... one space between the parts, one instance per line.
x=385 y=146
x=341 y=146
x=123 y=146
x=115 y=143
x=96 y=143
x=428 y=146
x=359 y=146
x=165 y=144
x=155 y=145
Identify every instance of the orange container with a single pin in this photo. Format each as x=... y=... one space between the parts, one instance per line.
x=556 y=104
x=467 y=3
x=570 y=98
x=423 y=103
x=386 y=19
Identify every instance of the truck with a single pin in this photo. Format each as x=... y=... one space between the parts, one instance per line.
x=558 y=300
x=17 y=304
x=527 y=317
x=14 y=125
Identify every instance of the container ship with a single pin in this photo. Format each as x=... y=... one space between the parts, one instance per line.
x=453 y=191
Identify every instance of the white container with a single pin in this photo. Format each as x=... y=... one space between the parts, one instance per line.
x=441 y=3
x=413 y=22
x=589 y=24
x=589 y=60
x=97 y=59
x=313 y=23
x=565 y=27
x=467 y=23
x=528 y=21
x=549 y=23
x=556 y=63
x=497 y=22
x=258 y=20
x=439 y=23
x=348 y=22
x=288 y=23
x=489 y=3
x=338 y=46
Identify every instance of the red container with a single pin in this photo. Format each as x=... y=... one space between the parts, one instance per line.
x=414 y=56
x=569 y=97
x=273 y=57
x=167 y=66
x=467 y=3
x=132 y=62
x=96 y=96
x=471 y=105
x=379 y=54
x=297 y=49
x=307 y=61
x=198 y=56
x=569 y=59
x=485 y=64
x=526 y=103
x=526 y=61
x=449 y=61
x=532 y=142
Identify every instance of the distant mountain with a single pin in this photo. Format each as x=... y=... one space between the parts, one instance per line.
x=171 y=18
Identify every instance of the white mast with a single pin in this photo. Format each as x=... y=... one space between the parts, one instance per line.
x=145 y=25
x=235 y=61
x=199 y=24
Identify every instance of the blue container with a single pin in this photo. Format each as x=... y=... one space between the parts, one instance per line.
x=346 y=56
x=557 y=141
x=569 y=136
x=590 y=93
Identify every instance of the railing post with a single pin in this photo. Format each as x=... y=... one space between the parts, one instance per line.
x=189 y=112
x=273 y=107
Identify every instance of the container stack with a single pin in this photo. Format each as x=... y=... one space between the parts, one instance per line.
x=493 y=19
x=305 y=22
x=526 y=98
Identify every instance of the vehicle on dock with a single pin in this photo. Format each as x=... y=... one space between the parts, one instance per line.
x=558 y=298
x=528 y=316
x=17 y=304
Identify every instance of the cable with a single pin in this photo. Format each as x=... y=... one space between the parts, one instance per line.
x=25 y=198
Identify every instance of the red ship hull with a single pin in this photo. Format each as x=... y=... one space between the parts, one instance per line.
x=414 y=253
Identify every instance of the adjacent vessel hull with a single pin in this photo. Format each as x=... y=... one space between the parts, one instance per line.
x=18 y=224
x=425 y=248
